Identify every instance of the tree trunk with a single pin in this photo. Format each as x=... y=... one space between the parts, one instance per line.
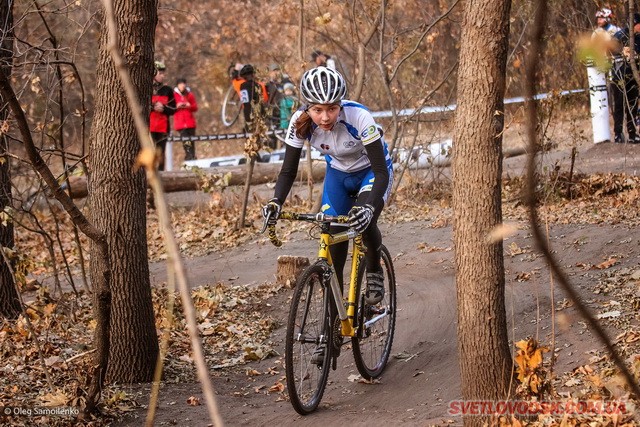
x=485 y=358
x=117 y=195
x=9 y=299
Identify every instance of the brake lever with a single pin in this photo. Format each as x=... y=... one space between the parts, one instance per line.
x=266 y=222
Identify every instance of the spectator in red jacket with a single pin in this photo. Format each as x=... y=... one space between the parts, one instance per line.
x=163 y=105
x=183 y=120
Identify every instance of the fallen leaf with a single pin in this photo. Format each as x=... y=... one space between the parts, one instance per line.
x=609 y=314
x=606 y=264
x=277 y=387
x=572 y=382
x=193 y=401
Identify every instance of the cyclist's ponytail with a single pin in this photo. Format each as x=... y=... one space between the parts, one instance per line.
x=303 y=125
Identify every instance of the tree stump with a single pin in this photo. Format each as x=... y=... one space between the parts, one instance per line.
x=289 y=268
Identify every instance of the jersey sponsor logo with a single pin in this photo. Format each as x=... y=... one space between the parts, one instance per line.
x=325 y=207
x=325 y=147
x=364 y=188
x=349 y=144
x=369 y=131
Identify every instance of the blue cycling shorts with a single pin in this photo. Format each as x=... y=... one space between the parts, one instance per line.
x=341 y=189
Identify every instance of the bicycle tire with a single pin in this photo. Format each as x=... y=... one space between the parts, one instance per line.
x=307 y=328
x=372 y=345
x=231 y=107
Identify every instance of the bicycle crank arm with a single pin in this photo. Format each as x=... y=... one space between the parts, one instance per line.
x=370 y=322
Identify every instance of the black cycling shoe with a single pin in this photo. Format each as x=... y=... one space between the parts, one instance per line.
x=317 y=358
x=375 y=288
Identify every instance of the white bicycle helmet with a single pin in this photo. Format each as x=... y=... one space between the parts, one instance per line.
x=322 y=85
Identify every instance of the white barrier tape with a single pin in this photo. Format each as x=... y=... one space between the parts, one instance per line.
x=221 y=136
x=405 y=112
x=452 y=107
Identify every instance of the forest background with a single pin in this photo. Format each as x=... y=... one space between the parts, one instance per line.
x=413 y=65
x=411 y=62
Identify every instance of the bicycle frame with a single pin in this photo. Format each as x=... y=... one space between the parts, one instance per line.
x=346 y=315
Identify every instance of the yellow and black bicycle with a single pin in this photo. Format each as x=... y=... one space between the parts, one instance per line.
x=322 y=319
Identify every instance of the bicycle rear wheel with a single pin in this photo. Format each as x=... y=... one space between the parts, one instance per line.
x=375 y=323
x=231 y=107
x=307 y=330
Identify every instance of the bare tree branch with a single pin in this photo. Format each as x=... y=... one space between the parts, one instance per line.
x=531 y=111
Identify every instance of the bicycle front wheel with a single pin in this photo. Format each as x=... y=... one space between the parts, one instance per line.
x=231 y=107
x=307 y=346
x=375 y=323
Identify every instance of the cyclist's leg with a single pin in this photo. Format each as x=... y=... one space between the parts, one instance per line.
x=372 y=239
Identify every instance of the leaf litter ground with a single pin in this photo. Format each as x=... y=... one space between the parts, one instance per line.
x=232 y=319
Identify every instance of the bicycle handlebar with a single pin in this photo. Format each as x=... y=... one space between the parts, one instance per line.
x=319 y=218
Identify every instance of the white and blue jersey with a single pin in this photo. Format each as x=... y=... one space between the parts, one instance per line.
x=349 y=170
x=343 y=146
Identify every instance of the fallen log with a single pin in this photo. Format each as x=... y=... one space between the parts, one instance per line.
x=210 y=178
x=188 y=180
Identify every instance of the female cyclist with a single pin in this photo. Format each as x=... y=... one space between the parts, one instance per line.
x=359 y=168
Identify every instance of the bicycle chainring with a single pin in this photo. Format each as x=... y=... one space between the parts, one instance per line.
x=337 y=334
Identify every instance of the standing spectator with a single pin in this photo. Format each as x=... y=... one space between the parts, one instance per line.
x=288 y=104
x=322 y=59
x=163 y=105
x=183 y=120
x=234 y=74
x=253 y=95
x=625 y=88
x=602 y=36
x=274 y=92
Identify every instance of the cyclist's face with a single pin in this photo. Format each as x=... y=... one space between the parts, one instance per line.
x=324 y=115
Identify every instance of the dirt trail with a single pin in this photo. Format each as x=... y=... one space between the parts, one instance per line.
x=416 y=391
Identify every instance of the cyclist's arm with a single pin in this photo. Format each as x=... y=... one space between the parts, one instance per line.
x=288 y=172
x=375 y=152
